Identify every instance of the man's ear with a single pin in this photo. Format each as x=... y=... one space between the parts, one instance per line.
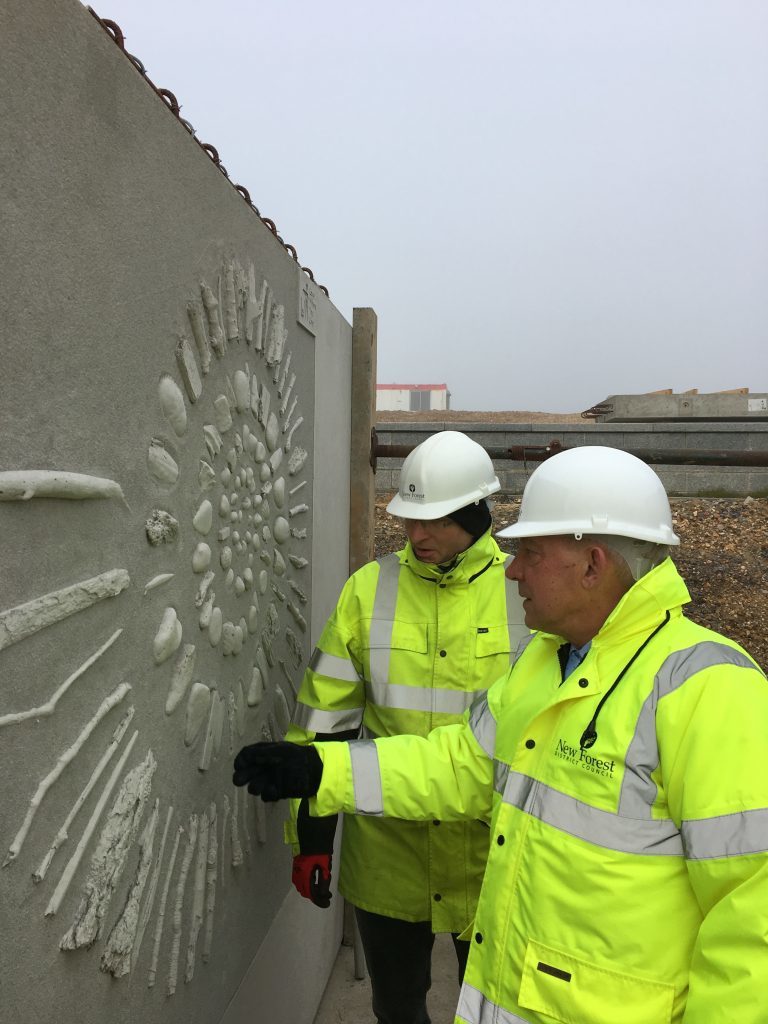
x=596 y=565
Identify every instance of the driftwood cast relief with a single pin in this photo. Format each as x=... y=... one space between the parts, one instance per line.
x=229 y=642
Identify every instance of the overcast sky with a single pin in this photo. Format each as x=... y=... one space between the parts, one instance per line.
x=545 y=201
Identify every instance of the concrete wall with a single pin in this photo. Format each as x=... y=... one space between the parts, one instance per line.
x=150 y=342
x=680 y=480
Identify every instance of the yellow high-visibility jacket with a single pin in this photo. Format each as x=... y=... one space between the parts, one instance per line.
x=627 y=881
x=409 y=648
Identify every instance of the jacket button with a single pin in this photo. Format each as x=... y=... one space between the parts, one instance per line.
x=478 y=937
x=436 y=822
x=530 y=744
x=443 y=654
x=500 y=840
x=583 y=683
x=442 y=586
x=437 y=897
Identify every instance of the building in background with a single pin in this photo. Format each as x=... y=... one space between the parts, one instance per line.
x=412 y=397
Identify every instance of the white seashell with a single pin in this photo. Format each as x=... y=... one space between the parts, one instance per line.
x=168 y=636
x=261 y=452
x=263 y=581
x=242 y=391
x=213 y=441
x=206 y=612
x=278 y=564
x=173 y=405
x=158 y=581
x=254 y=395
x=162 y=464
x=201 y=557
x=256 y=689
x=222 y=413
x=226 y=476
x=278 y=491
x=203 y=518
x=239 y=585
x=206 y=477
x=272 y=432
x=282 y=530
x=197 y=712
x=181 y=678
x=202 y=590
x=253 y=618
x=215 y=627
x=229 y=638
x=190 y=375
x=282 y=712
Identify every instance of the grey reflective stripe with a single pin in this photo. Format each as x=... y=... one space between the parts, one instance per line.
x=521 y=647
x=500 y=776
x=728 y=835
x=419 y=698
x=601 y=828
x=483 y=725
x=383 y=622
x=329 y=665
x=316 y=720
x=366 y=778
x=474 y=1008
x=638 y=790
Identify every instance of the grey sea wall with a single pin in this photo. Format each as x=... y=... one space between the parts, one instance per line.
x=174 y=396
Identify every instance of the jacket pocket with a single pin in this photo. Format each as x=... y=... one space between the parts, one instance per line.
x=402 y=636
x=491 y=640
x=575 y=991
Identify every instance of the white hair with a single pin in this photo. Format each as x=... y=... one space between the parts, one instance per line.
x=640 y=556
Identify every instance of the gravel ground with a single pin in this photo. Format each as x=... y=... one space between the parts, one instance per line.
x=723 y=558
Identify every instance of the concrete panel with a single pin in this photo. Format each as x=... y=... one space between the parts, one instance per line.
x=152 y=345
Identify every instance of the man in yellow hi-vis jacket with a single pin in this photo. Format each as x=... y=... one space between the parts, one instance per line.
x=621 y=763
x=415 y=637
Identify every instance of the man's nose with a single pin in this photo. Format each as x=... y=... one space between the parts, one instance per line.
x=512 y=572
x=418 y=530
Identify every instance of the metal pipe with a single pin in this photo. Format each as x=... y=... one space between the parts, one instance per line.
x=538 y=453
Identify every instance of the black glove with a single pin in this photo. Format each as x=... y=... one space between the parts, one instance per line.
x=278 y=771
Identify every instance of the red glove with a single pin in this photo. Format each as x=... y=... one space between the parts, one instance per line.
x=312 y=877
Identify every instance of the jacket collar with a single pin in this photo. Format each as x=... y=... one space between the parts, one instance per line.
x=468 y=564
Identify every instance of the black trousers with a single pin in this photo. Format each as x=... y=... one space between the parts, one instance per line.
x=398 y=955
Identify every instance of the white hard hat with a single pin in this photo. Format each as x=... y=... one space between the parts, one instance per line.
x=444 y=473
x=594 y=490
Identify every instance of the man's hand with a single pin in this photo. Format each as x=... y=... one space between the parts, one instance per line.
x=312 y=877
x=278 y=771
